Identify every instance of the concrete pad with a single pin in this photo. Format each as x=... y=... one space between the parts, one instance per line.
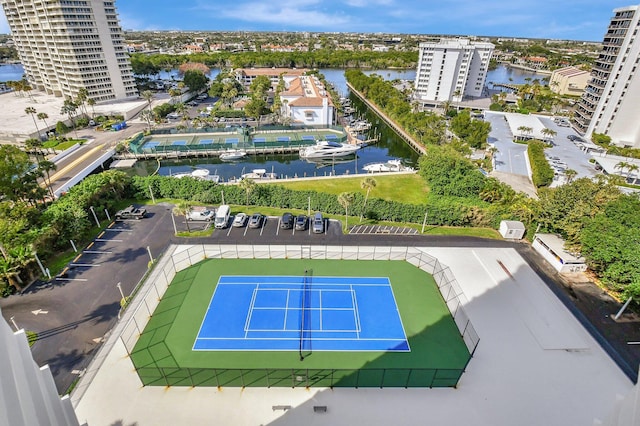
x=511 y=380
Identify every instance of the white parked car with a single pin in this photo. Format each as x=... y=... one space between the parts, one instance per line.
x=240 y=220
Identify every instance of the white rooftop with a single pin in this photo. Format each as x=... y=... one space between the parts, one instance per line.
x=521 y=120
x=610 y=164
x=557 y=245
x=535 y=365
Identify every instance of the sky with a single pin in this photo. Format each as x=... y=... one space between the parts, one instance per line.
x=556 y=19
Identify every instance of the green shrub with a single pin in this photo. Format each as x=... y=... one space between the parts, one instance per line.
x=542 y=173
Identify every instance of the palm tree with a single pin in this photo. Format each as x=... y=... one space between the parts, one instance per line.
x=43 y=116
x=345 y=199
x=368 y=184
x=92 y=102
x=147 y=95
x=46 y=166
x=182 y=209
x=248 y=185
x=33 y=144
x=81 y=99
x=69 y=108
x=525 y=131
x=621 y=165
x=550 y=134
x=147 y=115
x=570 y=174
x=632 y=168
x=32 y=111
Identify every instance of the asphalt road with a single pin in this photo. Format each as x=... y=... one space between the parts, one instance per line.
x=100 y=143
x=510 y=157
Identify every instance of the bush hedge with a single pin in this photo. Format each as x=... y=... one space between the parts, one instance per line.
x=451 y=211
x=541 y=171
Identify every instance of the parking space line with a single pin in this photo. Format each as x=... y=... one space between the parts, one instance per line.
x=103 y=240
x=278 y=227
x=264 y=222
x=229 y=231
x=245 y=230
x=97 y=252
x=71 y=279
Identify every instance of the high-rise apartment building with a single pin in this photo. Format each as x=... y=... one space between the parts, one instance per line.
x=609 y=104
x=452 y=69
x=66 y=45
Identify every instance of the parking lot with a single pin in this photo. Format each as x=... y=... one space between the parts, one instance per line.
x=72 y=312
x=271 y=227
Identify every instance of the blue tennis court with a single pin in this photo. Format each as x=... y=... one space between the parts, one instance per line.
x=330 y=136
x=288 y=313
x=151 y=144
x=205 y=141
x=283 y=138
x=179 y=143
x=308 y=138
x=259 y=140
x=232 y=140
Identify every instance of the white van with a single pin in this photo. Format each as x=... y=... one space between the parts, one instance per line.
x=222 y=216
x=200 y=213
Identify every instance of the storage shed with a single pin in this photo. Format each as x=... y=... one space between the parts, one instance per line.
x=512 y=229
x=551 y=247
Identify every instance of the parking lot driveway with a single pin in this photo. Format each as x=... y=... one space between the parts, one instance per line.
x=567 y=151
x=510 y=157
x=71 y=314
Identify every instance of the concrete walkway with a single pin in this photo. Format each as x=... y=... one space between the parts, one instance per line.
x=535 y=365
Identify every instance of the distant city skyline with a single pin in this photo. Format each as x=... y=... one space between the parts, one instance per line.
x=569 y=19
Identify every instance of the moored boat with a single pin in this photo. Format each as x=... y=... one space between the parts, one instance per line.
x=232 y=155
x=328 y=149
x=388 y=166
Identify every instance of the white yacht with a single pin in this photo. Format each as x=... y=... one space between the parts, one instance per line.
x=232 y=155
x=389 y=166
x=328 y=149
x=259 y=174
x=202 y=174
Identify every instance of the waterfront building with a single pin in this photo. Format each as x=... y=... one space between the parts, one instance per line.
x=609 y=102
x=306 y=101
x=245 y=76
x=569 y=81
x=452 y=69
x=66 y=46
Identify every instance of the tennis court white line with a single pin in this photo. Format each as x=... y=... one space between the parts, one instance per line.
x=355 y=314
x=270 y=308
x=404 y=333
x=297 y=330
x=250 y=313
x=286 y=311
x=299 y=285
x=298 y=338
x=320 y=303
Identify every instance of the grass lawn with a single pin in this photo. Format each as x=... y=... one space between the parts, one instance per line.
x=405 y=188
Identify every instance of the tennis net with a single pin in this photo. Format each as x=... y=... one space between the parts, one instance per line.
x=305 y=315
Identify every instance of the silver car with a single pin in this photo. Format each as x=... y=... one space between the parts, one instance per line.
x=318 y=223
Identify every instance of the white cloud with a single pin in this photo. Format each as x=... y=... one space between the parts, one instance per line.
x=288 y=14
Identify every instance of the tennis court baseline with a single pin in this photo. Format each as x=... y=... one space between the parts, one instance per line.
x=285 y=313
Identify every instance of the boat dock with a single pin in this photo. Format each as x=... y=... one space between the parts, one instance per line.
x=419 y=148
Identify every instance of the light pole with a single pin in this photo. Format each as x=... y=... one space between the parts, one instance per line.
x=14 y=323
x=121 y=293
x=94 y=215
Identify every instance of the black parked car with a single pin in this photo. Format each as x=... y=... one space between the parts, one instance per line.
x=286 y=222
